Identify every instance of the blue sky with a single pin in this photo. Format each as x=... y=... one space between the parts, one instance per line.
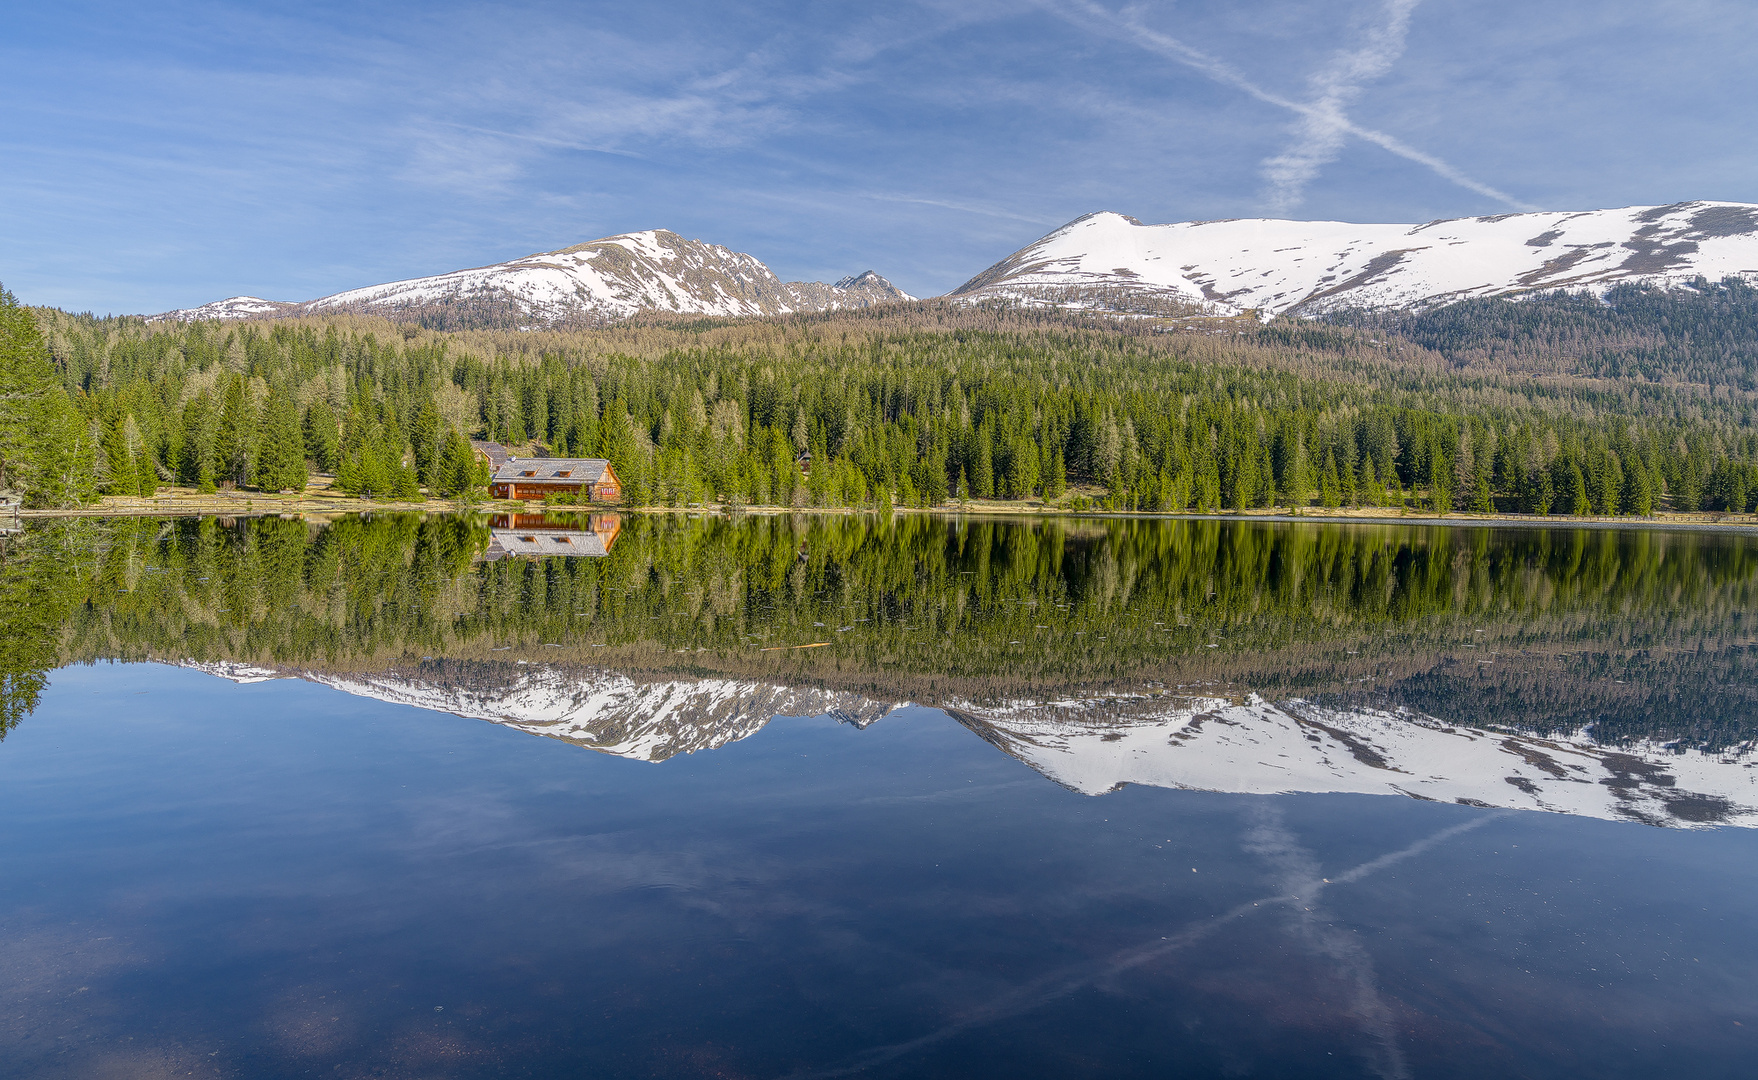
x=163 y=155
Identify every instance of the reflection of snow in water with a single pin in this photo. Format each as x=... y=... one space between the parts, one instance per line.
x=1098 y=745
x=1259 y=747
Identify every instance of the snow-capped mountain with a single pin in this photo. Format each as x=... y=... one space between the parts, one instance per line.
x=596 y=282
x=1095 y=746
x=1306 y=267
x=233 y=307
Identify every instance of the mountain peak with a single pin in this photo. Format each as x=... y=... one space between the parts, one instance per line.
x=1110 y=260
x=596 y=282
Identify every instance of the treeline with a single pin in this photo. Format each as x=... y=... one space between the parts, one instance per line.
x=918 y=405
x=1639 y=630
x=1704 y=333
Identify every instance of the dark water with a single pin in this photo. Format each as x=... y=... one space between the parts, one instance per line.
x=328 y=873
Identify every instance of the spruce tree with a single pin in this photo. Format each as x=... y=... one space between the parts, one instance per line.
x=233 y=436
x=321 y=435
x=1579 y=504
x=424 y=439
x=1482 y=501
x=280 y=448
x=1330 y=487
x=26 y=377
x=122 y=473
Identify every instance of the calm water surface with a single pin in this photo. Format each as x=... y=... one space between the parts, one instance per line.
x=426 y=798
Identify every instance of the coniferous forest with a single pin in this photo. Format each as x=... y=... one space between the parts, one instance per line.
x=1560 y=404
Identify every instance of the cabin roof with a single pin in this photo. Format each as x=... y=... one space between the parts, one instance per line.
x=496 y=453
x=553 y=470
x=545 y=542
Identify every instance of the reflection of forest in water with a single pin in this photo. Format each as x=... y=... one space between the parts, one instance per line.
x=1641 y=632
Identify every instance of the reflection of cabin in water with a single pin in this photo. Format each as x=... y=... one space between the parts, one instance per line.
x=534 y=478
x=536 y=536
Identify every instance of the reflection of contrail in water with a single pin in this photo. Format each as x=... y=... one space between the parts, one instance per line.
x=1045 y=989
x=1298 y=874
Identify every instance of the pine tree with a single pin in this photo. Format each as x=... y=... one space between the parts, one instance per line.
x=321 y=435
x=1544 y=494
x=1330 y=489
x=1296 y=479
x=983 y=465
x=233 y=436
x=123 y=474
x=1579 y=504
x=1482 y=501
x=280 y=448
x=1058 y=484
x=39 y=431
x=424 y=440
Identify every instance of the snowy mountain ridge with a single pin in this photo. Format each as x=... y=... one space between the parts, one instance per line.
x=1105 y=261
x=595 y=282
x=1310 y=267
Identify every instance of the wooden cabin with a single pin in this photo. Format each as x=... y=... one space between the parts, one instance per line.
x=535 y=478
x=493 y=453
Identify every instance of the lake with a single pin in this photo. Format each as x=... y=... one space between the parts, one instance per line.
x=818 y=796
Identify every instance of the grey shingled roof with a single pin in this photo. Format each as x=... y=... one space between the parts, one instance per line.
x=544 y=542
x=551 y=470
x=497 y=454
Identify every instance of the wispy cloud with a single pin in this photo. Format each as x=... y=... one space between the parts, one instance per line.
x=1319 y=135
x=1325 y=121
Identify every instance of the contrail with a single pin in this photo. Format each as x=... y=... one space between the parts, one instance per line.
x=1318 y=137
x=1325 y=119
x=1048 y=988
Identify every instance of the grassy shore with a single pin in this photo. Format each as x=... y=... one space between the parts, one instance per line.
x=320 y=499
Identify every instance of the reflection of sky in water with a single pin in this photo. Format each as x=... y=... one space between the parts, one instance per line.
x=268 y=880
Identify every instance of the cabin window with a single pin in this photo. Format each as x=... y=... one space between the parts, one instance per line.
x=565 y=473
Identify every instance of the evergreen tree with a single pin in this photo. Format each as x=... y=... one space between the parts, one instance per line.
x=45 y=455
x=120 y=468
x=983 y=466
x=280 y=448
x=1482 y=501
x=322 y=435
x=233 y=436
x=1579 y=504
x=424 y=439
x=1543 y=495
x=1296 y=479
x=1330 y=488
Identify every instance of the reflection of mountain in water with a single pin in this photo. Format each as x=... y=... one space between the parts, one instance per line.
x=604 y=710
x=541 y=536
x=1262 y=747
x=1097 y=746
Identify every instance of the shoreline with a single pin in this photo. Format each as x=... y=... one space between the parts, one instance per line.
x=319 y=503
